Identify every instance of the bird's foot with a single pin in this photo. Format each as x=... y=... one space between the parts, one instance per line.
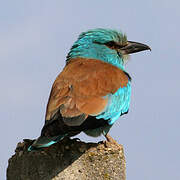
x=110 y=142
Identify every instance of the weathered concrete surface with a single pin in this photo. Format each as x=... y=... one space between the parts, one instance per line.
x=68 y=160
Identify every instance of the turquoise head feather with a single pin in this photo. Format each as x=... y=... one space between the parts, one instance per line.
x=100 y=44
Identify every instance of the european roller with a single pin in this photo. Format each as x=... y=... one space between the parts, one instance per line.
x=93 y=90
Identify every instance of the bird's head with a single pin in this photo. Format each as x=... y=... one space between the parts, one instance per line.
x=105 y=44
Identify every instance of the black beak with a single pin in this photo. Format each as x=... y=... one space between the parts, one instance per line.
x=133 y=47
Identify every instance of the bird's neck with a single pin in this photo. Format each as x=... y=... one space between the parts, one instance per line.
x=97 y=52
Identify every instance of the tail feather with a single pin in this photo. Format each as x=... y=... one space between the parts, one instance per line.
x=43 y=141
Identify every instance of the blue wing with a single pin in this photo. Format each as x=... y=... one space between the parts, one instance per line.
x=118 y=104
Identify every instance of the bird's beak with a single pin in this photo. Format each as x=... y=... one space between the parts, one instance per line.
x=133 y=47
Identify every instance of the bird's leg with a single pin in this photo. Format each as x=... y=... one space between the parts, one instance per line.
x=110 y=141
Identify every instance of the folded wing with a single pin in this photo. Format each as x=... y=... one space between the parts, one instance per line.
x=82 y=88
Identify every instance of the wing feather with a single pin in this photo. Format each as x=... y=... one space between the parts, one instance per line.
x=82 y=88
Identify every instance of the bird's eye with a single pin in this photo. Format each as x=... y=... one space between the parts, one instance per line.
x=113 y=45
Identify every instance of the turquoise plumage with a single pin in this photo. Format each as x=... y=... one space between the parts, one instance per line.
x=92 y=44
x=93 y=90
x=119 y=104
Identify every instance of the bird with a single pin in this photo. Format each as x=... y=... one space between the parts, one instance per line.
x=93 y=90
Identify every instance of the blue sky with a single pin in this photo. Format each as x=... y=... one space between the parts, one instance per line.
x=35 y=37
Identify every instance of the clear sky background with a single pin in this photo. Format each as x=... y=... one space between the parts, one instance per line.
x=35 y=37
